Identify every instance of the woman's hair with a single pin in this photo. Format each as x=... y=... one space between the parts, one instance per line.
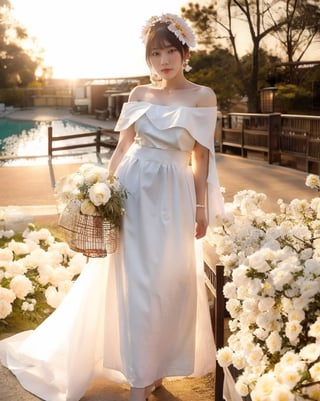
x=159 y=36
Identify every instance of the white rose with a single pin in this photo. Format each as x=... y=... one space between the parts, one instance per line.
x=5 y=309
x=310 y=352
x=59 y=274
x=19 y=248
x=293 y=329
x=15 y=268
x=53 y=297
x=77 y=264
x=21 y=286
x=264 y=387
x=265 y=304
x=99 y=194
x=96 y=175
x=242 y=387
x=314 y=330
x=290 y=376
x=7 y=295
x=313 y=181
x=283 y=393
x=224 y=356
x=315 y=371
x=6 y=255
x=274 y=342
x=255 y=356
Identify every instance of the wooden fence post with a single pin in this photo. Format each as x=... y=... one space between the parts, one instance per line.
x=98 y=140
x=50 y=141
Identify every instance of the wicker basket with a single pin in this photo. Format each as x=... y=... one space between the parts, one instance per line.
x=93 y=236
x=68 y=217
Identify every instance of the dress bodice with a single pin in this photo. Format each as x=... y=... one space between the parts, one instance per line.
x=169 y=126
x=147 y=134
x=177 y=127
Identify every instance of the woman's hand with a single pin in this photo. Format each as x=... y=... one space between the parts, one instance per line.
x=201 y=223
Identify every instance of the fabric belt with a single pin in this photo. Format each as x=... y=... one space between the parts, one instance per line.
x=175 y=156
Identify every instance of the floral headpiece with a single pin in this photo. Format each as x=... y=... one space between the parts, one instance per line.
x=176 y=24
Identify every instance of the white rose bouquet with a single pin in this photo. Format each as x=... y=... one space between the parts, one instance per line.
x=93 y=208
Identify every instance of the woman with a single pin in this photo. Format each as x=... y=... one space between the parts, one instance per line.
x=141 y=314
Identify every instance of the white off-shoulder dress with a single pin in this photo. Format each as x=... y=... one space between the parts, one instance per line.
x=141 y=313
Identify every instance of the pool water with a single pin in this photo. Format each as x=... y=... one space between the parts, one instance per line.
x=13 y=127
x=30 y=138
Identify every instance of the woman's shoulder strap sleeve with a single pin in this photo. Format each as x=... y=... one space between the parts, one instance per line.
x=130 y=113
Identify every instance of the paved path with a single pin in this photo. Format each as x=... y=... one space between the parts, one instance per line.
x=32 y=185
x=30 y=189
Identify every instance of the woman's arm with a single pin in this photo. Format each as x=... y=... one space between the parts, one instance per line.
x=126 y=138
x=200 y=160
x=200 y=164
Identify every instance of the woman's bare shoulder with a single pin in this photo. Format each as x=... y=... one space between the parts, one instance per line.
x=138 y=93
x=206 y=97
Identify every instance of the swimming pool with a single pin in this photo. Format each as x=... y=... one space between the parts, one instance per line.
x=29 y=139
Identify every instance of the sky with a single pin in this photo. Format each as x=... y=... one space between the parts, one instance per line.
x=99 y=38
x=91 y=38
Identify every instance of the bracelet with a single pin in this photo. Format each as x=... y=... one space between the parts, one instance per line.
x=199 y=205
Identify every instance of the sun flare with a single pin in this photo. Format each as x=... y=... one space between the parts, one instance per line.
x=91 y=40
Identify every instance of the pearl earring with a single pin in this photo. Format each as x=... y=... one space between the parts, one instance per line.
x=186 y=65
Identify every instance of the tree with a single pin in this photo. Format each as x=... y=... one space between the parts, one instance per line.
x=203 y=18
x=217 y=70
x=298 y=33
x=17 y=65
x=259 y=18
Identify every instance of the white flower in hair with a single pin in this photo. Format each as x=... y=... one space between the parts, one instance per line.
x=176 y=24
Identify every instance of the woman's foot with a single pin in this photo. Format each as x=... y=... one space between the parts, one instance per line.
x=150 y=389
x=157 y=383
x=142 y=394
x=137 y=394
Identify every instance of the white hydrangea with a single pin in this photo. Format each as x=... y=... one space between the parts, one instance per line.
x=19 y=248
x=27 y=267
x=21 y=286
x=5 y=308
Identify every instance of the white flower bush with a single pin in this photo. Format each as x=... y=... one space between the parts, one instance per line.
x=272 y=261
x=36 y=272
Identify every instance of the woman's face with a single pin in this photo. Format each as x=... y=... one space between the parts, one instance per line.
x=166 y=61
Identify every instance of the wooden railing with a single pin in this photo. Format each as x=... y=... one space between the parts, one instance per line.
x=251 y=132
x=300 y=141
x=214 y=275
x=215 y=281
x=285 y=139
x=98 y=139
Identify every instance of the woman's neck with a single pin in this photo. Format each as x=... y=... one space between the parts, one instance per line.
x=175 y=84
